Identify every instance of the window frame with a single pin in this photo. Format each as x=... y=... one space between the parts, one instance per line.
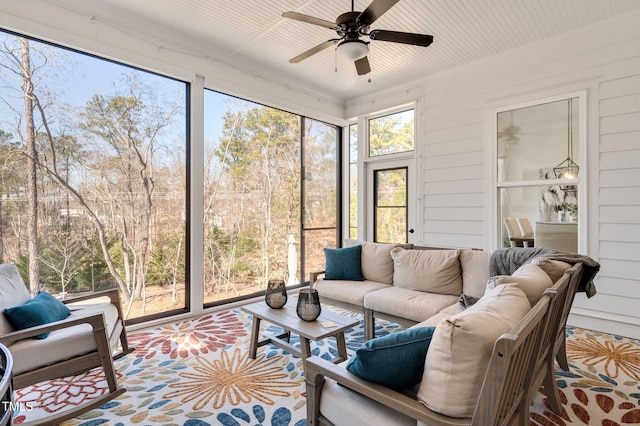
x=194 y=146
x=493 y=235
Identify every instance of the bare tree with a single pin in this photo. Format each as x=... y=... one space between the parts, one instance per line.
x=32 y=159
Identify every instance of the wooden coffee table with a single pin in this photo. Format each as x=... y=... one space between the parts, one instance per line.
x=328 y=324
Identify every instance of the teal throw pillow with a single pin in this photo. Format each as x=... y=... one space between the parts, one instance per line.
x=343 y=264
x=42 y=309
x=395 y=360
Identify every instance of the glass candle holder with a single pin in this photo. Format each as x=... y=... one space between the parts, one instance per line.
x=276 y=295
x=308 y=308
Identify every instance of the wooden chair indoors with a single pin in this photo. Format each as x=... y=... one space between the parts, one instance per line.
x=91 y=336
x=526 y=231
x=553 y=342
x=517 y=237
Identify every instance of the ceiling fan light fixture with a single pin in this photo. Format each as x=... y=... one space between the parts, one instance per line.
x=353 y=50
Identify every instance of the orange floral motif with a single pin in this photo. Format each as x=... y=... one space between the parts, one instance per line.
x=622 y=357
x=234 y=380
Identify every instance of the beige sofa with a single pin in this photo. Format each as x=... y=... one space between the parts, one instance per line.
x=407 y=285
x=512 y=331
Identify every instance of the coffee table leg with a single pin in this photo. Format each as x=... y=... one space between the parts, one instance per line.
x=342 y=348
x=255 y=330
x=305 y=347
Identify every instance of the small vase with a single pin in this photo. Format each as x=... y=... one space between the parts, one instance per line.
x=308 y=308
x=276 y=295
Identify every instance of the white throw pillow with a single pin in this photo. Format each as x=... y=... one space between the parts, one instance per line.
x=475 y=271
x=376 y=261
x=433 y=271
x=530 y=278
x=461 y=347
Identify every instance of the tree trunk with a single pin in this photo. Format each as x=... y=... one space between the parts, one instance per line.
x=32 y=153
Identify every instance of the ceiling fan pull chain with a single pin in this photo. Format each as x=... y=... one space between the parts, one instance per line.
x=335 y=59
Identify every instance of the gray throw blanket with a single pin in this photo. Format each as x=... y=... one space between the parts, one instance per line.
x=505 y=261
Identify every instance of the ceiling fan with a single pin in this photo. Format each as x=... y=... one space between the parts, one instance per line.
x=350 y=27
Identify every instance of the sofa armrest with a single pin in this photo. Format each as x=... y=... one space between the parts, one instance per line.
x=313 y=276
x=95 y=320
x=317 y=368
x=119 y=332
x=112 y=294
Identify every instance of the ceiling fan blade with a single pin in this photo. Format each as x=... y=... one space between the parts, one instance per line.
x=400 y=37
x=362 y=66
x=310 y=19
x=376 y=9
x=313 y=51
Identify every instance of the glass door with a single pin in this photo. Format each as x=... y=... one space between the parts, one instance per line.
x=390 y=215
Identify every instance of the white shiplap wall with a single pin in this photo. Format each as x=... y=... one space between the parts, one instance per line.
x=454 y=178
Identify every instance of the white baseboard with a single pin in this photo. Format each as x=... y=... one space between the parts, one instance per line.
x=620 y=325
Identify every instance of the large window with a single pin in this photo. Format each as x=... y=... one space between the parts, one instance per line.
x=94 y=184
x=93 y=176
x=255 y=195
x=320 y=223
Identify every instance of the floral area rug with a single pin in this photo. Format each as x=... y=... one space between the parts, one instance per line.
x=198 y=372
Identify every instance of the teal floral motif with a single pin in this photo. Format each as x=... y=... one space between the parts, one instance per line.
x=280 y=417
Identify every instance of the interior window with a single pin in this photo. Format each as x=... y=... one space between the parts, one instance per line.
x=538 y=175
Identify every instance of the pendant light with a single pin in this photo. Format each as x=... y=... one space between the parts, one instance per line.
x=568 y=169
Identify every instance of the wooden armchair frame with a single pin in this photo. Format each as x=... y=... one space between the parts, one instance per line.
x=553 y=342
x=106 y=341
x=6 y=386
x=503 y=399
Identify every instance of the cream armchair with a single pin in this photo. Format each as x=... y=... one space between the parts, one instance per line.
x=92 y=336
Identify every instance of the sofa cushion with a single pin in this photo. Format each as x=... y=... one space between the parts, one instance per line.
x=343 y=263
x=341 y=405
x=433 y=271
x=461 y=348
x=475 y=271
x=434 y=320
x=351 y=292
x=530 y=278
x=395 y=360
x=376 y=263
x=410 y=304
x=13 y=292
x=42 y=309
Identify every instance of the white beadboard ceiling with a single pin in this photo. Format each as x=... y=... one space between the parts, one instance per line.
x=252 y=35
